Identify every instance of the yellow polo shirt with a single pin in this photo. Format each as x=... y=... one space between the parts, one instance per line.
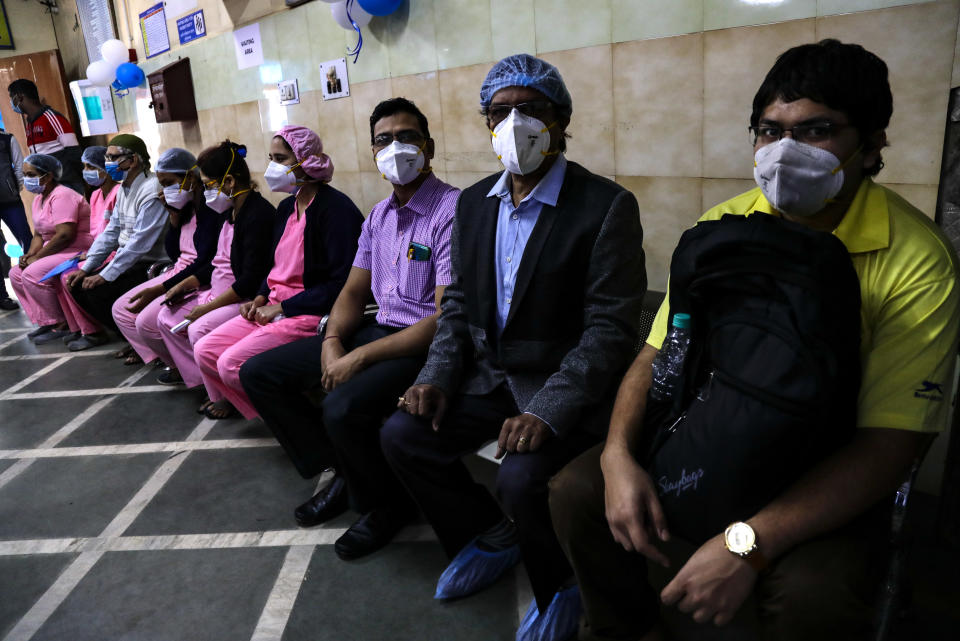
x=910 y=313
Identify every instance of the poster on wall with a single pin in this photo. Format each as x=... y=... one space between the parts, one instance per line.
x=248 y=46
x=335 y=83
x=6 y=38
x=95 y=107
x=97 y=25
x=191 y=27
x=153 y=27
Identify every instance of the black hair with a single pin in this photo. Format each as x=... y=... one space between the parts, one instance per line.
x=215 y=161
x=23 y=87
x=844 y=77
x=395 y=106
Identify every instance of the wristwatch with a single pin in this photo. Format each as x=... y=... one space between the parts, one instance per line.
x=741 y=540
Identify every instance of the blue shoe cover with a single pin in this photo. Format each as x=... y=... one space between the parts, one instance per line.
x=559 y=623
x=474 y=569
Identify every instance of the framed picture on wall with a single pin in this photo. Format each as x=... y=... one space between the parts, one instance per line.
x=6 y=37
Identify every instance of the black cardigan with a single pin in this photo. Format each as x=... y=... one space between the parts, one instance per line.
x=329 y=246
x=205 y=239
x=251 y=254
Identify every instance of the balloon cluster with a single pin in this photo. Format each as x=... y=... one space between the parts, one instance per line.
x=114 y=69
x=353 y=15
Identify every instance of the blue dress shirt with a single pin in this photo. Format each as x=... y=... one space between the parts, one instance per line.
x=514 y=226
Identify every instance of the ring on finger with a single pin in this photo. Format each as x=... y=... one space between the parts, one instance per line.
x=522 y=440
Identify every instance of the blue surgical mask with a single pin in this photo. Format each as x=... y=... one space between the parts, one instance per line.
x=113 y=170
x=93 y=177
x=16 y=109
x=32 y=184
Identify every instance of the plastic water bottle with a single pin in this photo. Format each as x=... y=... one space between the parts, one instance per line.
x=668 y=365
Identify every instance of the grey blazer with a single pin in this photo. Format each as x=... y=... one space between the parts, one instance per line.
x=573 y=324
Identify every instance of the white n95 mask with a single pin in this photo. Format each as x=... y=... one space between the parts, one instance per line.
x=521 y=143
x=175 y=197
x=217 y=200
x=280 y=178
x=400 y=163
x=798 y=179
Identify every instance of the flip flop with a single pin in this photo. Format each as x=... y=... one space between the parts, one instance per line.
x=204 y=405
x=224 y=406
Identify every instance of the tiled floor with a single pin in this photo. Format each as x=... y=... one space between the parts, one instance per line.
x=125 y=515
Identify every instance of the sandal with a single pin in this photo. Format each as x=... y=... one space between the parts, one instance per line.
x=224 y=410
x=124 y=353
x=133 y=359
x=204 y=405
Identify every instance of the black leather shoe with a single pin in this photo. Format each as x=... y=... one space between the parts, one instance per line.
x=370 y=533
x=329 y=502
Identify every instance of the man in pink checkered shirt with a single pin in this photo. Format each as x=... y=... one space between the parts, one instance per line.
x=363 y=363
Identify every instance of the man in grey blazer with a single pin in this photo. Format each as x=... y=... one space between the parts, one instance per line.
x=540 y=321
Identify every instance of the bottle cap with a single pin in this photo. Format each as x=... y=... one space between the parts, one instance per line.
x=681 y=320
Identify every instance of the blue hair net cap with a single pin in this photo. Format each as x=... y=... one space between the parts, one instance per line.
x=176 y=161
x=95 y=157
x=523 y=70
x=45 y=163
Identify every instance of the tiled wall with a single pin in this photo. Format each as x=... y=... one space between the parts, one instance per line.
x=661 y=88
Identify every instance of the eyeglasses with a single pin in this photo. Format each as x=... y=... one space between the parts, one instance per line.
x=533 y=108
x=808 y=133
x=405 y=137
x=116 y=158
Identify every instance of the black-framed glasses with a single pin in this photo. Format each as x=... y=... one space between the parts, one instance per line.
x=533 y=108
x=116 y=157
x=405 y=137
x=810 y=133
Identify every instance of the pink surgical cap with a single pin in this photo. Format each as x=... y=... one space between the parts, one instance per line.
x=308 y=148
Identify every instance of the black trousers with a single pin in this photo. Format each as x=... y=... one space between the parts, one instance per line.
x=347 y=432
x=429 y=464
x=15 y=217
x=98 y=302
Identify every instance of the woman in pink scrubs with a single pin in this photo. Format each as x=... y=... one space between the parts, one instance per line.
x=61 y=220
x=244 y=253
x=102 y=200
x=191 y=242
x=315 y=240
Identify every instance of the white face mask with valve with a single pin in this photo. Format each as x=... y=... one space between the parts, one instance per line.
x=176 y=197
x=798 y=179
x=400 y=163
x=280 y=178
x=521 y=143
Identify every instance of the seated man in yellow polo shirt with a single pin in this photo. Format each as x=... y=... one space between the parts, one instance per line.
x=818 y=122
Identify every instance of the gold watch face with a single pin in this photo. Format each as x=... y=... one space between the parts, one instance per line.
x=740 y=538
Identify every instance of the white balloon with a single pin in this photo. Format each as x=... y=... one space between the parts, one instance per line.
x=339 y=11
x=114 y=52
x=101 y=73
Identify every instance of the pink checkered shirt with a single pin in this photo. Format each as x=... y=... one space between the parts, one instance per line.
x=405 y=289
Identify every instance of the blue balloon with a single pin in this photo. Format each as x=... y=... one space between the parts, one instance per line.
x=380 y=7
x=117 y=85
x=130 y=75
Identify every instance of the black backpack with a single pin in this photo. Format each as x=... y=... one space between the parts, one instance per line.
x=772 y=374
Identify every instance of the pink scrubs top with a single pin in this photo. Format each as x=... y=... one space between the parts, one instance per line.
x=101 y=208
x=286 y=278
x=63 y=205
x=222 y=278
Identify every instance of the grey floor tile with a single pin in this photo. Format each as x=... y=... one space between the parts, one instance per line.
x=25 y=579
x=238 y=428
x=12 y=372
x=389 y=595
x=25 y=423
x=139 y=418
x=17 y=319
x=24 y=346
x=239 y=490
x=176 y=595
x=71 y=496
x=83 y=372
x=5 y=463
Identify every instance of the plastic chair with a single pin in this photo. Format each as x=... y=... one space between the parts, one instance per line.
x=159 y=267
